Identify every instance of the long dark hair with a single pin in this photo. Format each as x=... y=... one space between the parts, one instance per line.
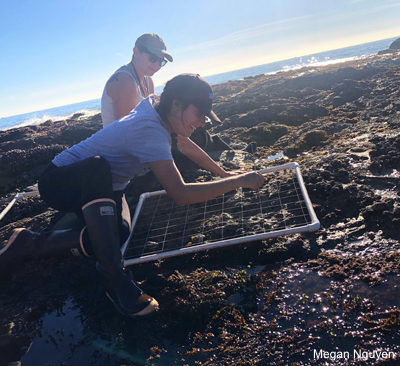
x=164 y=105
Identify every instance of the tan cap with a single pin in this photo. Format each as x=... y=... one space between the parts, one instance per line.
x=154 y=43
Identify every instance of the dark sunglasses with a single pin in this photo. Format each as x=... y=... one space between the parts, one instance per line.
x=154 y=58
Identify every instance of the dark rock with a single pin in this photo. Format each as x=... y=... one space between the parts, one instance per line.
x=351 y=90
x=395 y=45
x=341 y=124
x=95 y=119
x=338 y=101
x=264 y=134
x=47 y=123
x=29 y=149
x=76 y=116
x=15 y=134
x=313 y=138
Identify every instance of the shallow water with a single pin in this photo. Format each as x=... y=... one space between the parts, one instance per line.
x=65 y=340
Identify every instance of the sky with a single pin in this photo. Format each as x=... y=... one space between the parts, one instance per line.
x=58 y=52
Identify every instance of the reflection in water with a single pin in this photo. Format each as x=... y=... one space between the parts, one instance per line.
x=65 y=341
x=76 y=336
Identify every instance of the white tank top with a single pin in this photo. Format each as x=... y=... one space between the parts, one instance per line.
x=107 y=104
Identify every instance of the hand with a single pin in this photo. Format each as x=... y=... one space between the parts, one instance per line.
x=253 y=180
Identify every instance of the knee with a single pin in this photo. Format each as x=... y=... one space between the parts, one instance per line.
x=97 y=166
x=99 y=163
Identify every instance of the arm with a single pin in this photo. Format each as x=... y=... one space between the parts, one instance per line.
x=124 y=93
x=186 y=193
x=199 y=156
x=151 y=85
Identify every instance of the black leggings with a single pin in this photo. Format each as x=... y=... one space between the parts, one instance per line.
x=70 y=187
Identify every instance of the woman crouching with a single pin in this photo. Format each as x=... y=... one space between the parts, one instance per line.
x=90 y=177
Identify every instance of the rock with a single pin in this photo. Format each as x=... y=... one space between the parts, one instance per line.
x=264 y=134
x=338 y=101
x=351 y=90
x=341 y=123
x=29 y=149
x=47 y=123
x=76 y=115
x=313 y=138
x=395 y=45
x=96 y=118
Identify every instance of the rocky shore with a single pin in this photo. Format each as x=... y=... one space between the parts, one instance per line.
x=277 y=302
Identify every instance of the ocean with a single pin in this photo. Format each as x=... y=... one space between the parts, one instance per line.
x=92 y=107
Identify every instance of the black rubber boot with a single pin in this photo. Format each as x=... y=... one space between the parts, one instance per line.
x=101 y=222
x=251 y=147
x=25 y=244
x=217 y=144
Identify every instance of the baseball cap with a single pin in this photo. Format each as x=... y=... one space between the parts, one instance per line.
x=192 y=88
x=154 y=44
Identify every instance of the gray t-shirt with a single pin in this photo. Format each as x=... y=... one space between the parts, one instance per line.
x=129 y=144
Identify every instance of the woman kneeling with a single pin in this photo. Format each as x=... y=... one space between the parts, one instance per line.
x=90 y=177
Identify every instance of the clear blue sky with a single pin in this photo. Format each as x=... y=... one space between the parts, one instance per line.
x=54 y=53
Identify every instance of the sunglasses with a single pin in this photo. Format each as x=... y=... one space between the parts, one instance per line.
x=154 y=58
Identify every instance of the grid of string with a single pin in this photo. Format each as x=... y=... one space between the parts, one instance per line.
x=299 y=195
x=163 y=226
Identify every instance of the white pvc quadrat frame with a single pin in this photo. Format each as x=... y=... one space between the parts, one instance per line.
x=313 y=225
x=15 y=199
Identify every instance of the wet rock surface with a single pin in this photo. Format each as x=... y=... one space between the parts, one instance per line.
x=271 y=302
